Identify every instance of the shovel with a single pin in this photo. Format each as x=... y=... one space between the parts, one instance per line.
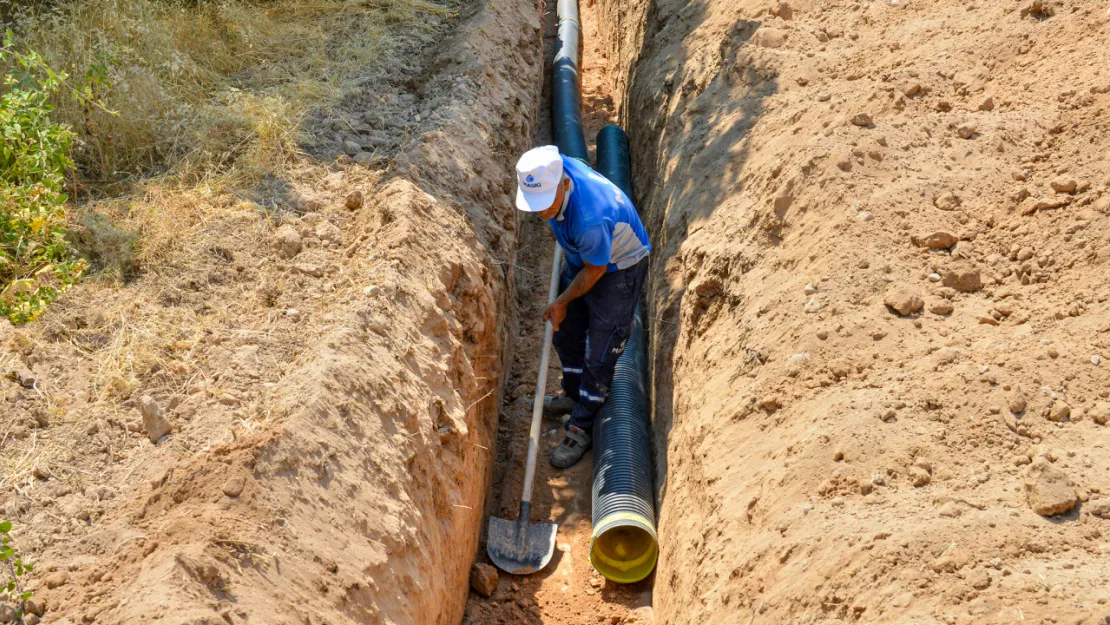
x=518 y=547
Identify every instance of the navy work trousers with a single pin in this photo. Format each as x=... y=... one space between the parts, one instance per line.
x=592 y=337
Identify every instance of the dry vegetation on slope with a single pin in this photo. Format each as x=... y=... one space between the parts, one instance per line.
x=323 y=345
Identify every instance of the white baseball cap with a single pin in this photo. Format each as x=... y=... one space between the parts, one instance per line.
x=538 y=174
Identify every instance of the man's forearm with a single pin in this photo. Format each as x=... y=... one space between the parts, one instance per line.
x=582 y=283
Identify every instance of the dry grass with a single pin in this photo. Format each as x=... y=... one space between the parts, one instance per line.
x=202 y=96
x=204 y=89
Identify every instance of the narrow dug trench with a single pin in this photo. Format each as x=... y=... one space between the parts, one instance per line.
x=568 y=590
x=877 y=315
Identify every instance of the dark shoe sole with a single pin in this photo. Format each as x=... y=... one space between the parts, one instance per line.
x=557 y=465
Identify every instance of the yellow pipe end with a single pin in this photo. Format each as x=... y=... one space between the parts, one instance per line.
x=624 y=548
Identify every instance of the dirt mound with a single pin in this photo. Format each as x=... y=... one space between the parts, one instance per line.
x=879 y=305
x=332 y=383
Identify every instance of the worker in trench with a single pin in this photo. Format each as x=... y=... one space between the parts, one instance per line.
x=606 y=249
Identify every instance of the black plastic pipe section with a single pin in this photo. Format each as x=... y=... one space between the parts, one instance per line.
x=623 y=546
x=613 y=157
x=566 y=120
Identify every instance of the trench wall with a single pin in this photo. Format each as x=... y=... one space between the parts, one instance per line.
x=820 y=456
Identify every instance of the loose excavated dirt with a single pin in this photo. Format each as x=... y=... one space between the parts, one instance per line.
x=330 y=385
x=814 y=173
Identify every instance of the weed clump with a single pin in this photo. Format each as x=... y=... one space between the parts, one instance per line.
x=36 y=261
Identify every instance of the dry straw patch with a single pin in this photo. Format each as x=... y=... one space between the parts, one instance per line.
x=202 y=88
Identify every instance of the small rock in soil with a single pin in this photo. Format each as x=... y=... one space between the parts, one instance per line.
x=947 y=201
x=56 y=579
x=154 y=423
x=963 y=278
x=904 y=300
x=936 y=240
x=1100 y=414
x=1064 y=184
x=316 y=271
x=287 y=241
x=1100 y=508
x=329 y=233
x=966 y=131
x=234 y=486
x=920 y=476
x=979 y=579
x=483 y=579
x=1049 y=490
x=354 y=200
x=1017 y=403
x=1059 y=412
x=38 y=608
x=861 y=119
x=950 y=510
x=25 y=378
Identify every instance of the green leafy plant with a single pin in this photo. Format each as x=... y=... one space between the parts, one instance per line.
x=12 y=590
x=36 y=261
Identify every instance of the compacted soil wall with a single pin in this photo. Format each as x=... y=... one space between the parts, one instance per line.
x=879 y=305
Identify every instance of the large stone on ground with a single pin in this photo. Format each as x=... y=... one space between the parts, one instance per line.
x=154 y=423
x=483 y=579
x=287 y=241
x=904 y=300
x=962 y=277
x=1049 y=490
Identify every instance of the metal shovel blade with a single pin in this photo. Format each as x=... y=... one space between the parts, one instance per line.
x=519 y=547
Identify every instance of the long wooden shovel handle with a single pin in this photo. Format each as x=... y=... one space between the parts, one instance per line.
x=541 y=382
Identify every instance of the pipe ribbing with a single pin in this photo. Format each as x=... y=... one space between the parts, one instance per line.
x=566 y=120
x=623 y=546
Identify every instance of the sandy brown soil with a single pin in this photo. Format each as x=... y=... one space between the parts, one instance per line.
x=569 y=590
x=880 y=301
x=330 y=367
x=880 y=325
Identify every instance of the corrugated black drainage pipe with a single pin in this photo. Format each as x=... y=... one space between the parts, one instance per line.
x=565 y=102
x=624 y=546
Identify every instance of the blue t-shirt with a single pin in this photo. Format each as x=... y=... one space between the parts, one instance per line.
x=599 y=224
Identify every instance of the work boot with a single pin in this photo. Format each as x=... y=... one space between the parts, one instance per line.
x=571 y=450
x=557 y=406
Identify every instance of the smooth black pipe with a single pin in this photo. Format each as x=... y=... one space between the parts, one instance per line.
x=623 y=546
x=566 y=119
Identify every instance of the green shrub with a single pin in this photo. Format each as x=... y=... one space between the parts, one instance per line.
x=15 y=570
x=36 y=261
